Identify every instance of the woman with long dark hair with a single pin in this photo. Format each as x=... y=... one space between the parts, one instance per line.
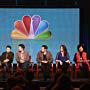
x=62 y=57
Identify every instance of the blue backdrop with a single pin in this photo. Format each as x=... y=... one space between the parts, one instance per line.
x=63 y=23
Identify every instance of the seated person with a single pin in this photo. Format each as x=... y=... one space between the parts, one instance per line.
x=62 y=57
x=81 y=58
x=7 y=57
x=22 y=57
x=44 y=59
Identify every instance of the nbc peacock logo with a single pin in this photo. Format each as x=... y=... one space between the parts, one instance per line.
x=31 y=28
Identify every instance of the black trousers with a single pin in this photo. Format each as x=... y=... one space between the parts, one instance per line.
x=6 y=66
x=46 y=70
x=64 y=67
x=84 y=67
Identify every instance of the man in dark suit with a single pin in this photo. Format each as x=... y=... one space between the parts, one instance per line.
x=44 y=59
x=7 y=57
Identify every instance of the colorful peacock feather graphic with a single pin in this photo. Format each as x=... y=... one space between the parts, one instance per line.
x=31 y=28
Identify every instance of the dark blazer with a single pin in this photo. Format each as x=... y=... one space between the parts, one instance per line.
x=6 y=55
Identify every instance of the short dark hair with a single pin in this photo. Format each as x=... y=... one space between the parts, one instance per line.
x=8 y=46
x=22 y=45
x=81 y=45
x=45 y=46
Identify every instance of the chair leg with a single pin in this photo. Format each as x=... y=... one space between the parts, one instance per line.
x=76 y=73
x=31 y=68
x=52 y=74
x=37 y=72
x=71 y=72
